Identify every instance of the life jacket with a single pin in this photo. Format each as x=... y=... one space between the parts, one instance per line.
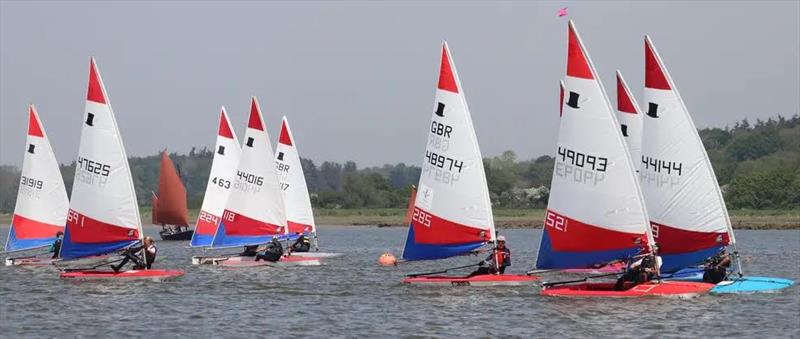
x=502 y=256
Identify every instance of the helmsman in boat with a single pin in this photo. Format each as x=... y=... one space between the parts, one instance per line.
x=273 y=252
x=647 y=268
x=55 y=247
x=716 y=267
x=496 y=262
x=302 y=244
x=149 y=250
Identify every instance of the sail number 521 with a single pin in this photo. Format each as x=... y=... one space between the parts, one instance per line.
x=555 y=221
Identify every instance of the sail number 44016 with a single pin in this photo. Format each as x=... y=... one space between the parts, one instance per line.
x=557 y=222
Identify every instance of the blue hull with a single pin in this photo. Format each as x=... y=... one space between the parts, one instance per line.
x=752 y=285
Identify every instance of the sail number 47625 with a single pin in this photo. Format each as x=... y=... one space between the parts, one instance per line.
x=557 y=222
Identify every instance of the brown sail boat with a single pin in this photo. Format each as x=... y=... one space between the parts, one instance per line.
x=169 y=206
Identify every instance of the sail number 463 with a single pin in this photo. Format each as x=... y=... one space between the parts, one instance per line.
x=555 y=221
x=221 y=182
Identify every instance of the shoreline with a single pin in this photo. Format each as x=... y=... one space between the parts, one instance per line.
x=507 y=218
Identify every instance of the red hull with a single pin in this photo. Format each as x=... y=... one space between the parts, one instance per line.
x=132 y=274
x=666 y=288
x=237 y=261
x=478 y=280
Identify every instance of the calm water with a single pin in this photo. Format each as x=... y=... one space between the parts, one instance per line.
x=353 y=296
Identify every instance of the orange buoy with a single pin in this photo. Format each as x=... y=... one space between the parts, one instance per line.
x=387 y=259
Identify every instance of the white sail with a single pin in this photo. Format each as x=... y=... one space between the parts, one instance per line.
x=220 y=182
x=104 y=213
x=41 y=208
x=299 y=215
x=255 y=211
x=452 y=212
x=595 y=213
x=630 y=120
x=687 y=210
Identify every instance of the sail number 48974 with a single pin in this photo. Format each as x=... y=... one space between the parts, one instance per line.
x=442 y=161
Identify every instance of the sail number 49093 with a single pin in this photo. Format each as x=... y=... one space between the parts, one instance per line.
x=557 y=222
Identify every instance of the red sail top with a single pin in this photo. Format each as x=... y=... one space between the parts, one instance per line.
x=624 y=102
x=654 y=76
x=224 y=128
x=95 y=91
x=447 y=81
x=285 y=138
x=255 y=117
x=577 y=63
x=170 y=205
x=34 y=128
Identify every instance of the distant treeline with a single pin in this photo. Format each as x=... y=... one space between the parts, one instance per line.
x=757 y=165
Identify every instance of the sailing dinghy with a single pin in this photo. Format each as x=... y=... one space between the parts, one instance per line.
x=220 y=181
x=169 y=206
x=41 y=208
x=595 y=214
x=452 y=212
x=103 y=215
x=299 y=214
x=687 y=210
x=254 y=211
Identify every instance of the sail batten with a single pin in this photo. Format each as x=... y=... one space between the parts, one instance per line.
x=452 y=213
x=595 y=212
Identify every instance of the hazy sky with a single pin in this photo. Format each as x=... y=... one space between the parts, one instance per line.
x=356 y=79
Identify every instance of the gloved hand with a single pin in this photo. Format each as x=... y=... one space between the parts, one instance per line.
x=481 y=263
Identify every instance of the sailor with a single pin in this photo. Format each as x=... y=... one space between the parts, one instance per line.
x=302 y=244
x=497 y=261
x=149 y=250
x=716 y=267
x=643 y=270
x=249 y=251
x=273 y=252
x=55 y=247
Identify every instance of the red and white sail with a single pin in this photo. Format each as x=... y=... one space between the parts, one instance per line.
x=41 y=208
x=630 y=120
x=452 y=213
x=220 y=182
x=299 y=215
x=595 y=213
x=255 y=211
x=104 y=213
x=687 y=210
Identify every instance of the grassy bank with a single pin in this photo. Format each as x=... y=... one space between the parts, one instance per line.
x=741 y=219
